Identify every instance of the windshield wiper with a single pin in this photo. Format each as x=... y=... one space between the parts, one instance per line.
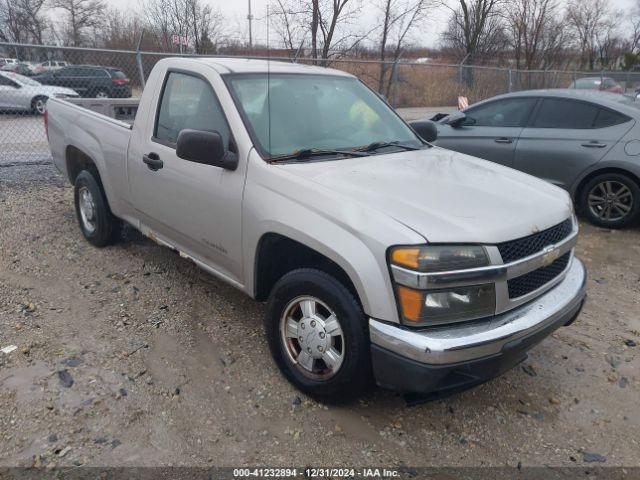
x=306 y=153
x=377 y=145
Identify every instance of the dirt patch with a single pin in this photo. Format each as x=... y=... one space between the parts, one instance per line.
x=165 y=365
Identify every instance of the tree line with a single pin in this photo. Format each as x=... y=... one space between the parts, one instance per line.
x=523 y=34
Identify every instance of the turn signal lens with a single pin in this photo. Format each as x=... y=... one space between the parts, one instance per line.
x=410 y=302
x=406 y=257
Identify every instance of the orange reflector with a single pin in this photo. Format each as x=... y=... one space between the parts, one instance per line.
x=407 y=257
x=411 y=303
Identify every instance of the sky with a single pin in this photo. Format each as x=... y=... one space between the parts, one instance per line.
x=235 y=12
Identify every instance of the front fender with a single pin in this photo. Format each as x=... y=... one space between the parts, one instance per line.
x=352 y=237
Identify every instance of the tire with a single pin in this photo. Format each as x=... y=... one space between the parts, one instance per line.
x=353 y=375
x=39 y=105
x=615 y=191
x=101 y=94
x=98 y=225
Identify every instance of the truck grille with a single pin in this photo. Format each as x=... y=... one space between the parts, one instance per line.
x=523 y=247
x=531 y=281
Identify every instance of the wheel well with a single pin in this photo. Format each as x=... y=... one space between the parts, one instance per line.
x=77 y=161
x=278 y=255
x=586 y=179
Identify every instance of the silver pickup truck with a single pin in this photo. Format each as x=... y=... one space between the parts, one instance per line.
x=379 y=255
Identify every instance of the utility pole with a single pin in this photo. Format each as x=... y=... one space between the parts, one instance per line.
x=250 y=18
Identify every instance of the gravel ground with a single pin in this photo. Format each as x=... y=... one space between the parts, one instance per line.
x=130 y=355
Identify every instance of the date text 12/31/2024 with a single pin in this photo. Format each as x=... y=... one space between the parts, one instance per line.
x=315 y=473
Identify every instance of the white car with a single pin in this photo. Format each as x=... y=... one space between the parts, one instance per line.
x=51 y=65
x=18 y=92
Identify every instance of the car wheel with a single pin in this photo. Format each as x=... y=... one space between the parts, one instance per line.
x=102 y=94
x=610 y=200
x=98 y=225
x=39 y=105
x=318 y=335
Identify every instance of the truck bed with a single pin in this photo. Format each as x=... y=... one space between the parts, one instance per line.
x=122 y=109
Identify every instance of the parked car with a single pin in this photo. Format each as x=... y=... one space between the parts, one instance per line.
x=603 y=84
x=585 y=142
x=19 y=68
x=377 y=252
x=6 y=61
x=52 y=65
x=18 y=92
x=90 y=81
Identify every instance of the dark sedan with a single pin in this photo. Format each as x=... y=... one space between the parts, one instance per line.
x=586 y=142
x=90 y=81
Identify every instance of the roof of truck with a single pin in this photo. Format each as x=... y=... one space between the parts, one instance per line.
x=244 y=65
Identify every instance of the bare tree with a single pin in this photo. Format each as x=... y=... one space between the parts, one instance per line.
x=399 y=19
x=83 y=16
x=591 y=22
x=23 y=21
x=200 y=22
x=288 y=21
x=536 y=33
x=475 y=29
x=329 y=24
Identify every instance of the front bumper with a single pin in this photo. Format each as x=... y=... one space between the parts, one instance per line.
x=459 y=356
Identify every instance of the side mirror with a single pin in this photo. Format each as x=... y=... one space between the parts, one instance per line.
x=205 y=147
x=455 y=119
x=426 y=129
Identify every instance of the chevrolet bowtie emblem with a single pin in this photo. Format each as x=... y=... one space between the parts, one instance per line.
x=549 y=255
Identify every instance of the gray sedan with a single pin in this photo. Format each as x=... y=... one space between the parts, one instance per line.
x=586 y=142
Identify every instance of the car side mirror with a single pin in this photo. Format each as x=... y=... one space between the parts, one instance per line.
x=426 y=129
x=205 y=147
x=456 y=119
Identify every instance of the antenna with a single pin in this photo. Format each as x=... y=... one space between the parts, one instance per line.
x=268 y=82
x=250 y=18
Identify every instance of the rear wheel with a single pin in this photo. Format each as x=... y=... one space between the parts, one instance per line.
x=39 y=105
x=611 y=200
x=98 y=225
x=318 y=335
x=102 y=94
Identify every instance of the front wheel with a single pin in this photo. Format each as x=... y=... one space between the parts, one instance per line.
x=611 y=200
x=39 y=105
x=318 y=335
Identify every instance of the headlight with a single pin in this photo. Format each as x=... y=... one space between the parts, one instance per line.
x=422 y=308
x=440 y=258
x=437 y=306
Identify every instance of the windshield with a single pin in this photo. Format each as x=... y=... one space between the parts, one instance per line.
x=320 y=112
x=22 y=80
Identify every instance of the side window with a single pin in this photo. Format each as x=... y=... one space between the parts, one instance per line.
x=188 y=102
x=512 y=112
x=569 y=114
x=5 y=82
x=609 y=118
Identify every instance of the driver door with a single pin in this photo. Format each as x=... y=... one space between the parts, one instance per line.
x=490 y=131
x=194 y=207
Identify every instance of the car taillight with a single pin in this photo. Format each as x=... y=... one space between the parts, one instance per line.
x=46 y=122
x=120 y=81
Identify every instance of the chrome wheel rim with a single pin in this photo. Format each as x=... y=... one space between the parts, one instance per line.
x=87 y=209
x=312 y=338
x=41 y=106
x=102 y=95
x=610 y=201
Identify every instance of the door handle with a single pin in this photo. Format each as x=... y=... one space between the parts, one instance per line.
x=153 y=161
x=594 y=144
x=504 y=140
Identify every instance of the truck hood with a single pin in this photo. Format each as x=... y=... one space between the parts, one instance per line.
x=445 y=196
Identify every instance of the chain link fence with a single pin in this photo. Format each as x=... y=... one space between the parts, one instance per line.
x=30 y=74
